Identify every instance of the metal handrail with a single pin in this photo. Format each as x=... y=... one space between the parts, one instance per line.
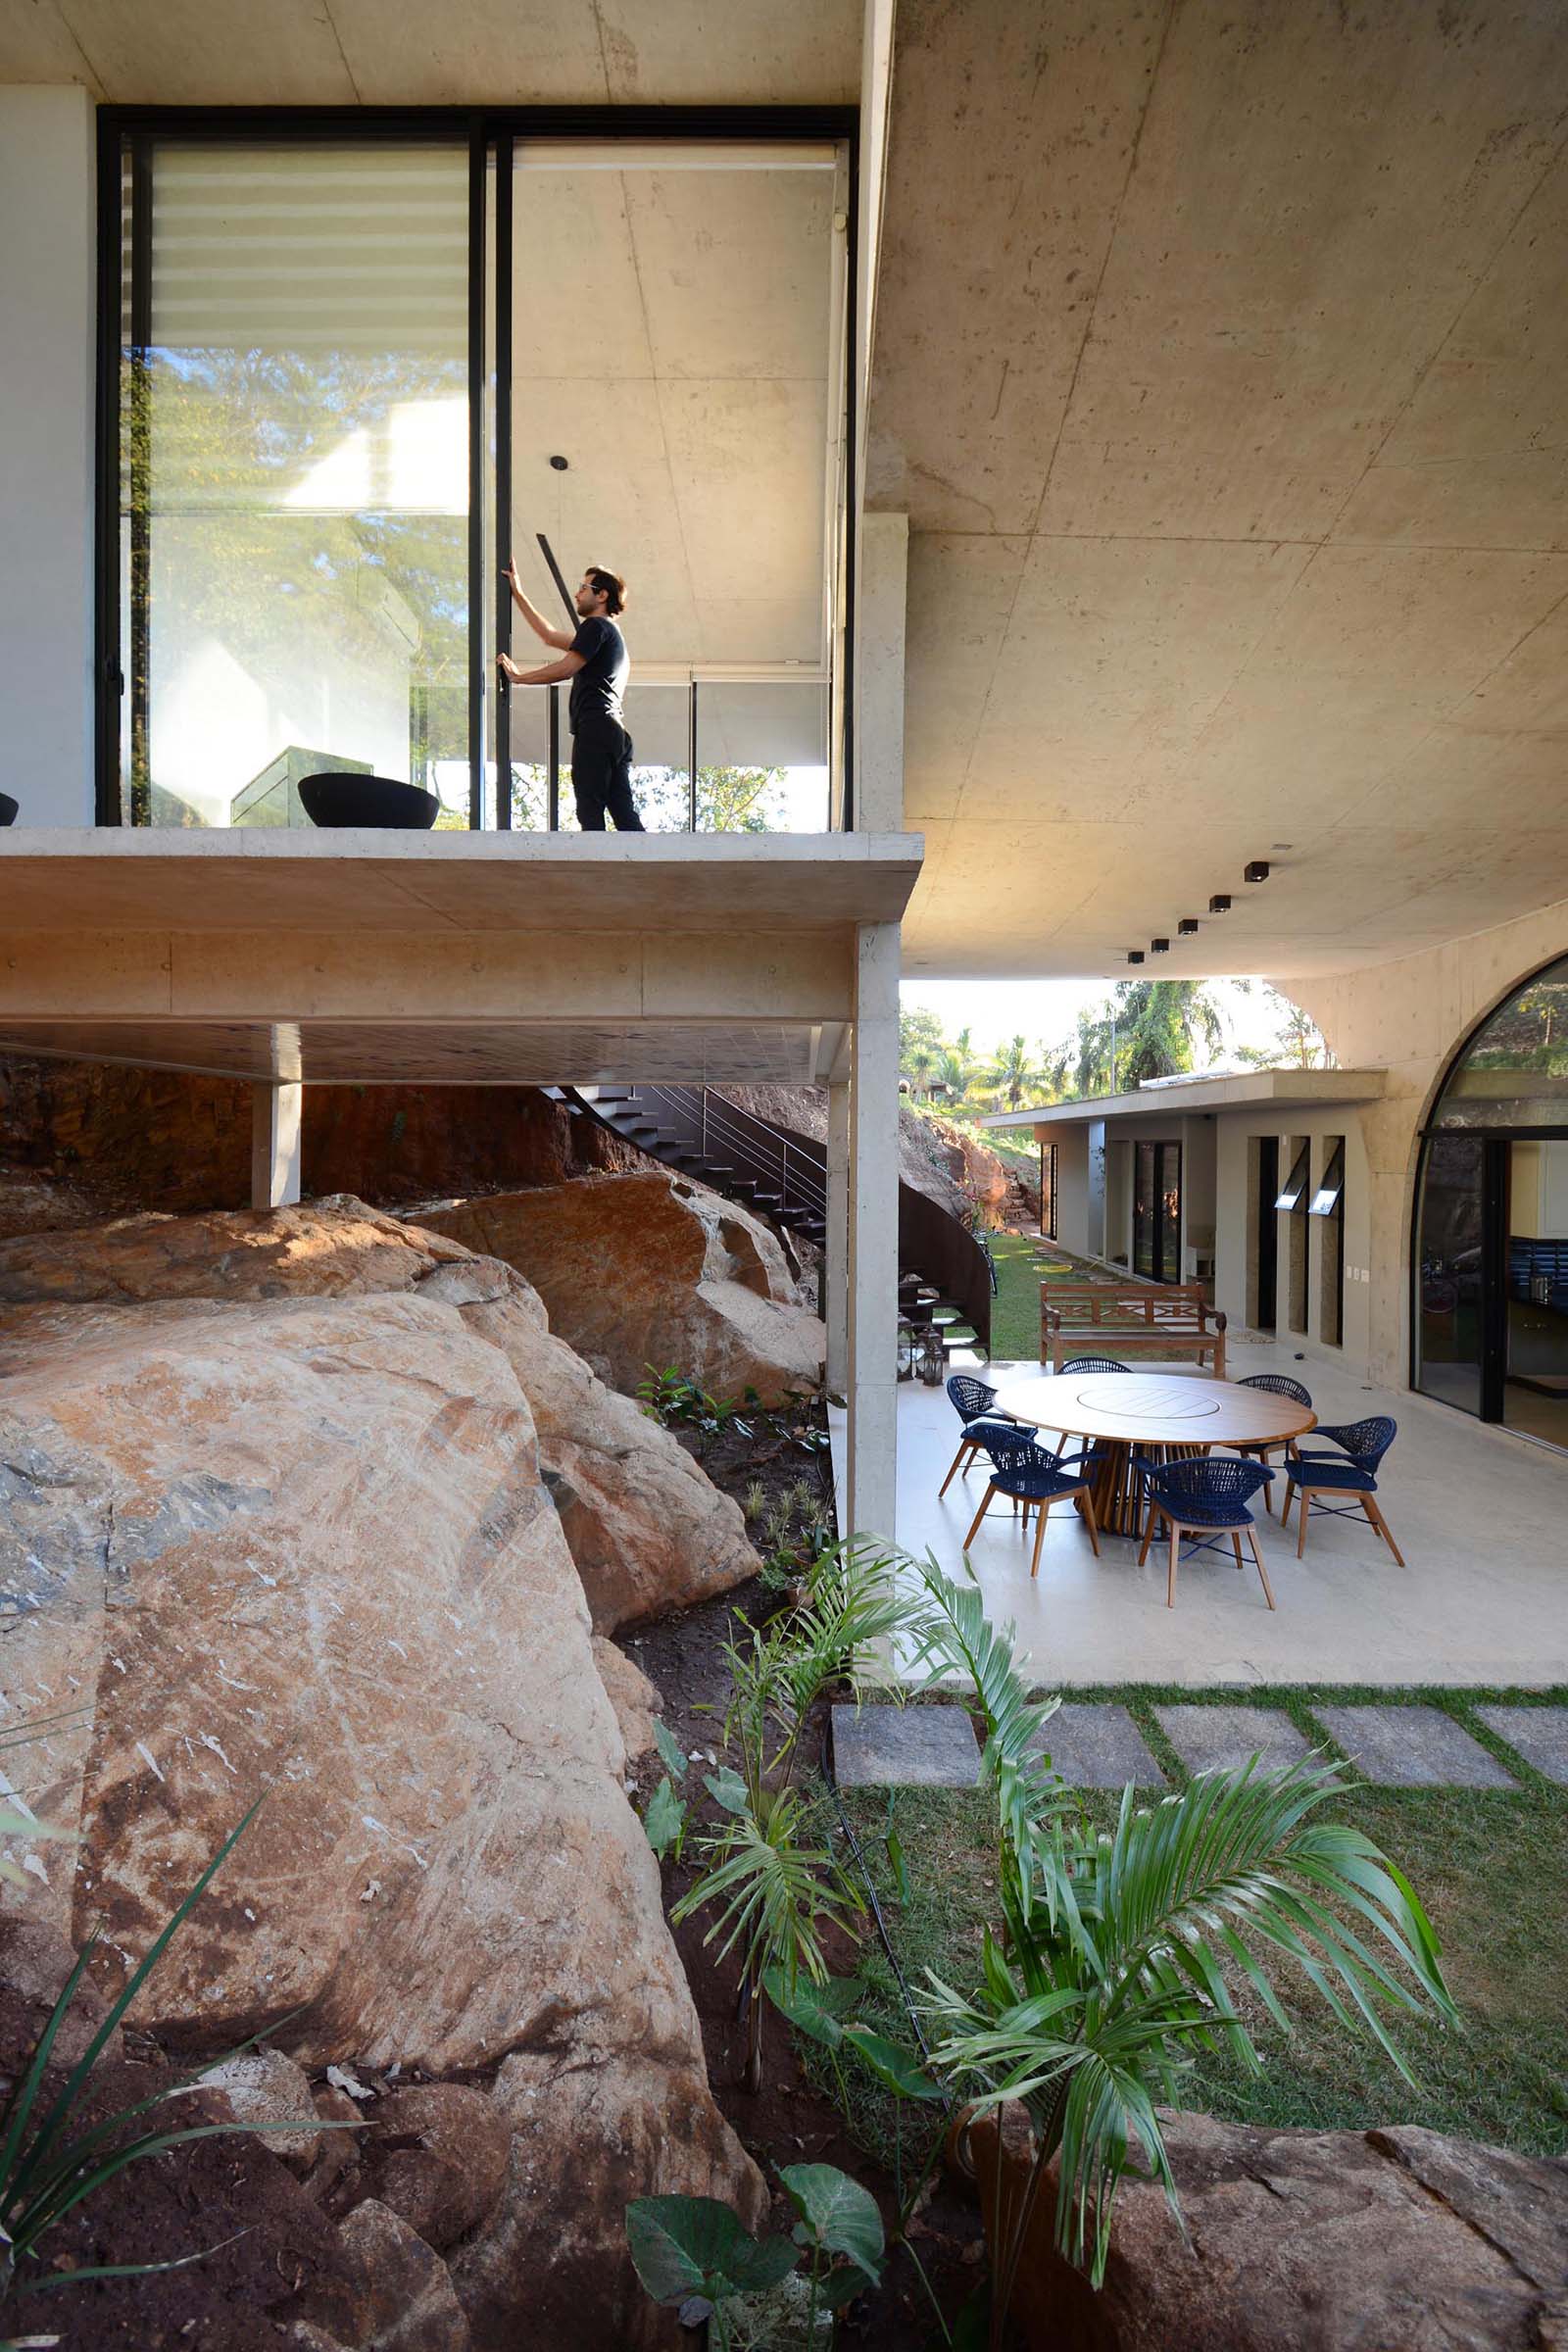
x=791 y=1163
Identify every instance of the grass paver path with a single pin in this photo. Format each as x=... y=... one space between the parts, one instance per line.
x=1223 y=1738
x=1537 y=1734
x=904 y=1747
x=1412 y=1747
x=1099 y=1748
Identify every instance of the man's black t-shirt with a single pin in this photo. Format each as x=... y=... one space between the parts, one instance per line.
x=599 y=685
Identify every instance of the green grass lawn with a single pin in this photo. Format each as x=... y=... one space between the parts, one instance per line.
x=1491 y=1867
x=1015 y=1308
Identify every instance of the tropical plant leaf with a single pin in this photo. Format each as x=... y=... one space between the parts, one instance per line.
x=686 y=2246
x=815 y=2010
x=837 y=2215
x=726 y=1789
x=671 y=1753
x=899 y=2069
x=665 y=1819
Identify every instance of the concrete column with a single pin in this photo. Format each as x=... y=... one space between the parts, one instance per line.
x=873 y=1233
x=882 y=596
x=47 y=307
x=835 y=1269
x=276 y=1145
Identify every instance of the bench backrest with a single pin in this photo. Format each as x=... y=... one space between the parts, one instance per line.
x=1101 y=1306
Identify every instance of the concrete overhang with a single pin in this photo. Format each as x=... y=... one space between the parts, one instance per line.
x=1236 y=1090
x=443 y=959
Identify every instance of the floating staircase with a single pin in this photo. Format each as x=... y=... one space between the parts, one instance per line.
x=944 y=1274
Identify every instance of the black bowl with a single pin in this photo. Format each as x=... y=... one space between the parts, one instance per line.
x=8 y=809
x=336 y=797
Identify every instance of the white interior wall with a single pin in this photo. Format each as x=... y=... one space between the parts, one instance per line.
x=47 y=175
x=1234 y=1211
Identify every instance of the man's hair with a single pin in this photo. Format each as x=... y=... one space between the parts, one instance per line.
x=611 y=586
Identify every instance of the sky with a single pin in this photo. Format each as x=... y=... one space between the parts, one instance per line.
x=1045 y=1012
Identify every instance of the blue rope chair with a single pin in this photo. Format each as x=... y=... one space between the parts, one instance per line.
x=1031 y=1475
x=1277 y=1384
x=1201 y=1499
x=1351 y=1471
x=975 y=1403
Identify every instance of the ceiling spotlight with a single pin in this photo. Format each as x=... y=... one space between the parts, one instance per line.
x=1135 y=954
x=559 y=465
x=1258 y=871
x=1219 y=904
x=1187 y=926
x=1159 y=946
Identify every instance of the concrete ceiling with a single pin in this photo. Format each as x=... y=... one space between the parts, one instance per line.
x=1222 y=368
x=438 y=52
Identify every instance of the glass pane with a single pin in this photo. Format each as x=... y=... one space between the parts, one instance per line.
x=1143 y=1211
x=1536 y=1390
x=531 y=756
x=296 y=438
x=761 y=757
x=1515 y=1071
x=1449 y=1251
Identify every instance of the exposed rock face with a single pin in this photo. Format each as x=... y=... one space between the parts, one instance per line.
x=1394 y=2240
x=640 y=1270
x=301 y=1545
x=117 y=1140
x=438 y=2156
x=646 y=1528
x=635 y=1699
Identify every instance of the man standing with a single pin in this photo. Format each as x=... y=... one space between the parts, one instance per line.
x=597 y=663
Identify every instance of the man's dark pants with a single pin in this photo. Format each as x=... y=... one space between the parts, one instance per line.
x=601 y=779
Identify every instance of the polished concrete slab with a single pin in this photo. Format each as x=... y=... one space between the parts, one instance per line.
x=1537 y=1734
x=1413 y=1748
x=1483 y=1598
x=904 y=1747
x=1224 y=1739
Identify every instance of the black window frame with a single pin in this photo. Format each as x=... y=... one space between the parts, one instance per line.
x=125 y=130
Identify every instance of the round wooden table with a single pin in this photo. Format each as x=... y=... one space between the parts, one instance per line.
x=1157 y=1413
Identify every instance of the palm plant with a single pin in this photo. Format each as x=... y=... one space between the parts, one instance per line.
x=1013 y=1072
x=771 y=1881
x=1122 y=1952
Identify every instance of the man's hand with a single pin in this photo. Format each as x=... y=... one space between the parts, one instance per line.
x=507 y=667
x=510 y=576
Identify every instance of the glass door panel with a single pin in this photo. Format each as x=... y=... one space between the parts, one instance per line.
x=1450 y=1248
x=1535 y=1380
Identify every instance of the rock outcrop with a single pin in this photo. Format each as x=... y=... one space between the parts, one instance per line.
x=1397 y=2240
x=301 y=1547
x=648 y=1529
x=640 y=1270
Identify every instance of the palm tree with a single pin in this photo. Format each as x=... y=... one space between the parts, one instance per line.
x=1122 y=1952
x=1013 y=1071
x=919 y=1063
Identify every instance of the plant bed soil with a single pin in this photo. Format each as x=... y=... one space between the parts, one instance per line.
x=790 y=2120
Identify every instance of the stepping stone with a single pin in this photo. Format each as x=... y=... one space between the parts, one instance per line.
x=1223 y=1738
x=1540 y=1733
x=1099 y=1748
x=904 y=1747
x=1412 y=1747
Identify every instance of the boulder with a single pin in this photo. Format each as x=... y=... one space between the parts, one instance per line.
x=640 y=1270
x=1397 y=2240
x=299 y=1548
x=437 y=2155
x=648 y=1529
x=266 y=2087
x=635 y=1699
x=412 y=2303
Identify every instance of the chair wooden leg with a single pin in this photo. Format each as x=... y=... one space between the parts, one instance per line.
x=1170 y=1576
x=1148 y=1536
x=1236 y=1546
x=1303 y=1504
x=979 y=1515
x=1289 y=1497
x=1268 y=1593
x=1041 y=1514
x=1090 y=1520
x=1381 y=1524
x=1268 y=1500
x=964 y=1448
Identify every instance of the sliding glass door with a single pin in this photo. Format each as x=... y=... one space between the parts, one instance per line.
x=293 y=429
x=1157 y=1211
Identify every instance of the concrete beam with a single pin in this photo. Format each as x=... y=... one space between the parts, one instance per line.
x=873 y=1238
x=275 y=1123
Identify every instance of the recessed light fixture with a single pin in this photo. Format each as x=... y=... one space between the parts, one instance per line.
x=1158 y=947
x=1135 y=954
x=1281 y=845
x=1258 y=871
x=1219 y=904
x=1187 y=926
x=559 y=465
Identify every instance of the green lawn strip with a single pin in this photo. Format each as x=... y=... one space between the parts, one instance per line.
x=1015 y=1308
x=1491 y=1866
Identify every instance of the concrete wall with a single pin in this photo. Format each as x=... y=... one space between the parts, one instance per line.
x=1408 y=1018
x=1234 y=1222
x=46 y=451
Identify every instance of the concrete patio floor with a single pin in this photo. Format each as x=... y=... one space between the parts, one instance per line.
x=1480 y=1516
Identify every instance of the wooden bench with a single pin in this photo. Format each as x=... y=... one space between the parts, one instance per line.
x=1130 y=1318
